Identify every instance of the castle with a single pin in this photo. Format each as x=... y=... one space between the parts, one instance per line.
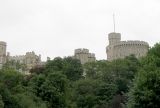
x=30 y=59
x=84 y=56
x=116 y=49
x=120 y=49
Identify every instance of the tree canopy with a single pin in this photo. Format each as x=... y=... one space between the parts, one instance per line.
x=66 y=83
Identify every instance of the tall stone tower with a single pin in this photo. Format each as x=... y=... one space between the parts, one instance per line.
x=114 y=38
x=3 y=47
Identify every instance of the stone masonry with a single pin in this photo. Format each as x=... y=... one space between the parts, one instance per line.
x=84 y=56
x=30 y=59
x=120 y=49
x=3 y=46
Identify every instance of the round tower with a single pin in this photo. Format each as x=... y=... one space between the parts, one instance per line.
x=114 y=38
x=3 y=47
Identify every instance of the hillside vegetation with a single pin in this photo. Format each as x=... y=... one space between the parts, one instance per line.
x=122 y=83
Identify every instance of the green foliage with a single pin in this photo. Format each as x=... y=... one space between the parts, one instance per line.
x=105 y=93
x=37 y=70
x=12 y=64
x=54 y=65
x=1 y=102
x=72 y=68
x=51 y=82
x=114 y=78
x=90 y=70
x=90 y=93
x=10 y=78
x=119 y=72
x=51 y=89
x=60 y=84
x=27 y=101
x=35 y=84
x=145 y=91
x=13 y=93
x=85 y=93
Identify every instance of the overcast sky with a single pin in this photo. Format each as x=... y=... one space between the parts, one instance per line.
x=57 y=27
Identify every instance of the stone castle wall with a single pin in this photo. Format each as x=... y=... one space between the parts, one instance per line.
x=3 y=47
x=120 y=49
x=84 y=56
x=30 y=59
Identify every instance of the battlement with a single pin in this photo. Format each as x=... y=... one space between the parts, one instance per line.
x=120 y=49
x=18 y=56
x=81 y=50
x=91 y=55
x=21 y=56
x=114 y=38
x=30 y=52
x=3 y=43
x=29 y=56
x=84 y=56
x=114 y=35
x=130 y=42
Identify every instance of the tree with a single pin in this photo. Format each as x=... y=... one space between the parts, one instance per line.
x=72 y=68
x=91 y=70
x=14 y=94
x=12 y=64
x=84 y=93
x=52 y=89
x=54 y=65
x=37 y=70
x=35 y=84
x=28 y=101
x=105 y=93
x=90 y=93
x=114 y=79
x=1 y=102
x=145 y=91
x=10 y=78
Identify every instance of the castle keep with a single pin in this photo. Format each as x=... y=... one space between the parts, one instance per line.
x=120 y=49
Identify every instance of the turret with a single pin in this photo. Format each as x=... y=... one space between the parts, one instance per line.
x=3 y=46
x=114 y=38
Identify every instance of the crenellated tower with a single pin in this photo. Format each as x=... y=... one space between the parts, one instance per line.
x=120 y=49
x=84 y=56
x=3 y=46
x=114 y=38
